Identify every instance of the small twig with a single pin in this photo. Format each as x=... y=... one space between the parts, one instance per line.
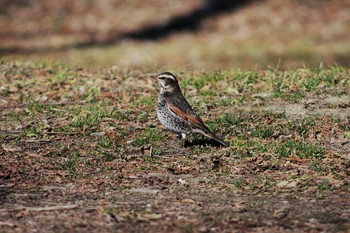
x=7 y=224
x=12 y=106
x=278 y=65
x=6 y=132
x=38 y=140
x=150 y=151
x=121 y=203
x=37 y=209
x=45 y=104
x=63 y=133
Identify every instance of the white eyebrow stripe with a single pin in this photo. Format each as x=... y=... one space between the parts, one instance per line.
x=167 y=76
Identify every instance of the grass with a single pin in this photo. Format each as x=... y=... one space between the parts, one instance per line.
x=105 y=142
x=149 y=136
x=263 y=132
x=227 y=120
x=88 y=137
x=249 y=148
x=106 y=135
x=93 y=116
x=347 y=134
x=89 y=117
x=300 y=149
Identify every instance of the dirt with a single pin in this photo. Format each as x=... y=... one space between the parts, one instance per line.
x=329 y=106
x=326 y=106
x=119 y=196
x=164 y=204
x=96 y=177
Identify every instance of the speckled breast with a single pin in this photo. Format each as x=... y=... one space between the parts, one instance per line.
x=170 y=120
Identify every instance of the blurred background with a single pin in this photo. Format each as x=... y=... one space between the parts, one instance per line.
x=185 y=34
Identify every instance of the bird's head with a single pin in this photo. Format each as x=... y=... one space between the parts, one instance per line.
x=167 y=82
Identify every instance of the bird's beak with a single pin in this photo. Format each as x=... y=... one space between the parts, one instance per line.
x=153 y=76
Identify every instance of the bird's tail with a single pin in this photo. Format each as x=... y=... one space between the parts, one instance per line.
x=219 y=140
x=212 y=135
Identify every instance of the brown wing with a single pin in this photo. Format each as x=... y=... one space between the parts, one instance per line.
x=185 y=115
x=181 y=108
x=185 y=111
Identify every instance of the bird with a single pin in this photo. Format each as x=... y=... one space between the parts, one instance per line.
x=176 y=114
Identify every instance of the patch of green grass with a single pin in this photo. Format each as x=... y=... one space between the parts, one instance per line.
x=201 y=81
x=143 y=117
x=151 y=160
x=91 y=94
x=158 y=152
x=248 y=148
x=344 y=124
x=303 y=126
x=111 y=155
x=264 y=183
x=33 y=132
x=263 y=131
x=244 y=81
x=255 y=124
x=72 y=163
x=65 y=128
x=37 y=107
x=335 y=76
x=197 y=83
x=323 y=186
x=273 y=115
x=288 y=84
x=105 y=142
x=292 y=96
x=317 y=166
x=235 y=184
x=208 y=93
x=140 y=141
x=254 y=203
x=214 y=76
x=151 y=135
x=300 y=149
x=311 y=83
x=16 y=116
x=145 y=102
x=112 y=210
x=60 y=76
x=119 y=115
x=89 y=117
x=232 y=101
x=35 y=129
x=346 y=134
x=227 y=120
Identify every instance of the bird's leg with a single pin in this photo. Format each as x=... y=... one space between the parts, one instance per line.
x=183 y=138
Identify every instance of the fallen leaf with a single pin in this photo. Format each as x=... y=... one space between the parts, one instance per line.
x=144 y=190
x=10 y=148
x=287 y=184
x=182 y=181
x=187 y=201
x=152 y=216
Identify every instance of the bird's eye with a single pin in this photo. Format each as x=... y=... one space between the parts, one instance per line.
x=162 y=78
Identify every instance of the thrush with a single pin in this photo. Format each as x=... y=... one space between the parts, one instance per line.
x=175 y=113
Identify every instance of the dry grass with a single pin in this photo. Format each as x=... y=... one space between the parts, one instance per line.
x=82 y=150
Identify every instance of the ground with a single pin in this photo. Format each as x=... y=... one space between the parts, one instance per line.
x=88 y=154
x=81 y=148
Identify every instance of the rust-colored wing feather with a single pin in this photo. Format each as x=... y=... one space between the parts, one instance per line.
x=180 y=107
x=186 y=113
